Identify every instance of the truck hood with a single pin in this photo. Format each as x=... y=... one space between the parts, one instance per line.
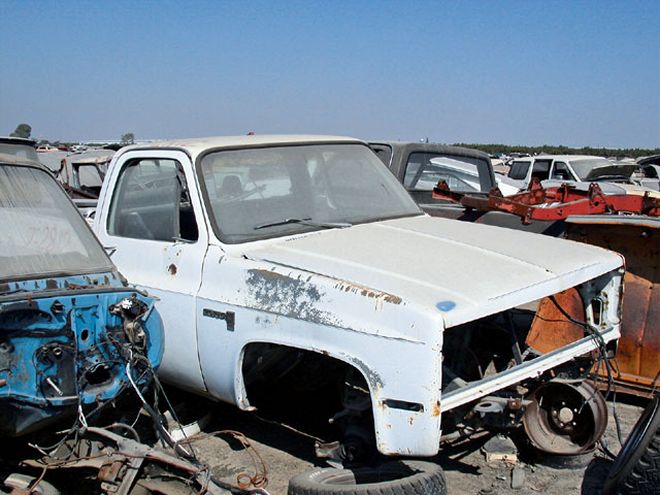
x=622 y=170
x=462 y=271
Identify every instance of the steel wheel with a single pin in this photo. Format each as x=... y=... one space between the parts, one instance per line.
x=565 y=418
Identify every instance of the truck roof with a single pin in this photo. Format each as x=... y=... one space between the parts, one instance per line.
x=433 y=148
x=196 y=146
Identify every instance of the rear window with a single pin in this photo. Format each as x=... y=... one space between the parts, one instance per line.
x=42 y=232
x=461 y=173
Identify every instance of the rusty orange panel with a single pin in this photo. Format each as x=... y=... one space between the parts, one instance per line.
x=638 y=357
x=550 y=329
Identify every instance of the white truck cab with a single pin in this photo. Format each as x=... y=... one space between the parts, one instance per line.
x=268 y=253
x=564 y=168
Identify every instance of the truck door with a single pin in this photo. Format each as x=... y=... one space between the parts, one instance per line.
x=152 y=225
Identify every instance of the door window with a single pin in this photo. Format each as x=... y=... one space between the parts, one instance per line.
x=519 y=170
x=152 y=201
x=541 y=169
x=560 y=171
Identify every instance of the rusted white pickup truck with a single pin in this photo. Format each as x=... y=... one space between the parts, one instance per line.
x=303 y=256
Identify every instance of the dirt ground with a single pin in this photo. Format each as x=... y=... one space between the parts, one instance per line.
x=287 y=452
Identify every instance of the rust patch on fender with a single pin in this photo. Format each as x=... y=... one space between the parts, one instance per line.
x=436 y=409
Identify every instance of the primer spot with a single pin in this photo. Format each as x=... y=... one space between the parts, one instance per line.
x=446 y=305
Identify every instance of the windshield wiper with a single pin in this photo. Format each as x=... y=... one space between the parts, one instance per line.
x=305 y=221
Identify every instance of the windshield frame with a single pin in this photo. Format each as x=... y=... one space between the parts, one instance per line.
x=109 y=265
x=299 y=228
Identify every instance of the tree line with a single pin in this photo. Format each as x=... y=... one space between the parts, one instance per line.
x=497 y=149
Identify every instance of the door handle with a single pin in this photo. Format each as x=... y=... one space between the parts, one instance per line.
x=229 y=317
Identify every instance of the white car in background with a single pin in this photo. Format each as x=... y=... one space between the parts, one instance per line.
x=553 y=170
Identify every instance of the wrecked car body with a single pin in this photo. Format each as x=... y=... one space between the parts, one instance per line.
x=82 y=174
x=72 y=333
x=274 y=256
x=553 y=170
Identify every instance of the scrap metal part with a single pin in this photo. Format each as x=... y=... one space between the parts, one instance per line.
x=554 y=203
x=121 y=459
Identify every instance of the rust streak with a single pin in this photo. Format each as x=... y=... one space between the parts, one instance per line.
x=368 y=292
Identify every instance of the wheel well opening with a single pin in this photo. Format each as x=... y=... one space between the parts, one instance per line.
x=304 y=389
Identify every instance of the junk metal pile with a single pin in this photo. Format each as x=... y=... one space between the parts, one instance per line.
x=247 y=268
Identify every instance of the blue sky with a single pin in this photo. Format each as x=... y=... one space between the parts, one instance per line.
x=579 y=73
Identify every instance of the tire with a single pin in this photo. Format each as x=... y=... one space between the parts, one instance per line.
x=565 y=461
x=390 y=478
x=636 y=470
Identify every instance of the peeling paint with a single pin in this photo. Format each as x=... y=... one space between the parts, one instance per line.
x=281 y=294
x=372 y=377
x=347 y=286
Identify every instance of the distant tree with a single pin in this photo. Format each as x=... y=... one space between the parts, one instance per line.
x=22 y=131
x=128 y=138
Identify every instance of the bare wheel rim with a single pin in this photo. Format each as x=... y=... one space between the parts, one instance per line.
x=565 y=418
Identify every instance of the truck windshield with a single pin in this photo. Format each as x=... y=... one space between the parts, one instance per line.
x=42 y=232
x=257 y=193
